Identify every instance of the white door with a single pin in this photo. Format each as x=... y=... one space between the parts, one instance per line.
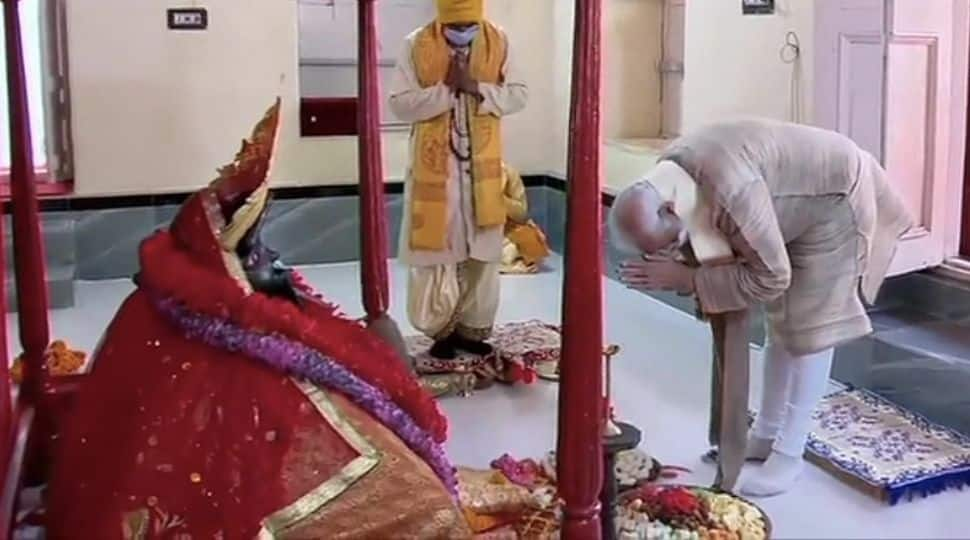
x=672 y=68
x=882 y=77
x=850 y=70
x=917 y=122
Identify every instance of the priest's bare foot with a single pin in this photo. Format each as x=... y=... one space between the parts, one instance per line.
x=479 y=348
x=775 y=477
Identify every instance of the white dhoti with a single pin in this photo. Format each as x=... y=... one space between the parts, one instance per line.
x=457 y=298
x=454 y=289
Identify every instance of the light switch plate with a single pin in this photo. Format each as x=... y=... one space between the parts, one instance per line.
x=757 y=7
x=188 y=19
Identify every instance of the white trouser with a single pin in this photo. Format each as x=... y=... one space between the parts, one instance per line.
x=793 y=386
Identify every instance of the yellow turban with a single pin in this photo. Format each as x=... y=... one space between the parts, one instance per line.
x=460 y=11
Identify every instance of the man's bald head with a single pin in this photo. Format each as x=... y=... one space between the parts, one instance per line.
x=640 y=221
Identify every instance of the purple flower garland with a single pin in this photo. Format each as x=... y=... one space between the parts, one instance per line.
x=298 y=360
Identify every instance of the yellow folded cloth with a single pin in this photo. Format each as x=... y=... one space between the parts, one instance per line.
x=530 y=241
x=460 y=11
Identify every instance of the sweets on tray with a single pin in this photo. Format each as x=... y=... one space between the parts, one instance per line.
x=520 y=497
x=633 y=468
x=61 y=360
x=661 y=512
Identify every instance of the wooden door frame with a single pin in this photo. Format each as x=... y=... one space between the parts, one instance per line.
x=961 y=220
x=964 y=251
x=956 y=229
x=957 y=234
x=956 y=242
x=958 y=211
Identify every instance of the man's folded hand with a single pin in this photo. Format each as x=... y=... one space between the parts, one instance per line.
x=656 y=273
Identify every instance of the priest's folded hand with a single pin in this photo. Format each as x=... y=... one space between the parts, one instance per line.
x=466 y=83
x=453 y=78
x=655 y=273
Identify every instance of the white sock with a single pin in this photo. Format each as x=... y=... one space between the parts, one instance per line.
x=775 y=477
x=809 y=380
x=758 y=448
x=776 y=383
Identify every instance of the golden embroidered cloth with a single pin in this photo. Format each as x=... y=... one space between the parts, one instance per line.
x=380 y=502
x=431 y=56
x=524 y=245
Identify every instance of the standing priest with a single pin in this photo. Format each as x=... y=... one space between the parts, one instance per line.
x=454 y=82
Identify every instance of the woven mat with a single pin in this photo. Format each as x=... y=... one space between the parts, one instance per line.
x=522 y=349
x=888 y=451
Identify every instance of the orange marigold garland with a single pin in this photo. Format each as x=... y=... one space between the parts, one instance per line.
x=61 y=360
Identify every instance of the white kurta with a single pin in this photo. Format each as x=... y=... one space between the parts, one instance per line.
x=810 y=215
x=412 y=103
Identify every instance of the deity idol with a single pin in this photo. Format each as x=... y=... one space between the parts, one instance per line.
x=227 y=400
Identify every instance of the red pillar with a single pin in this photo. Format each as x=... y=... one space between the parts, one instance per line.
x=373 y=223
x=6 y=409
x=580 y=451
x=28 y=246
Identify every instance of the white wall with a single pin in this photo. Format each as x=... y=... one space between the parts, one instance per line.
x=158 y=111
x=732 y=67
x=562 y=65
x=155 y=110
x=328 y=28
x=732 y=64
x=631 y=80
x=328 y=44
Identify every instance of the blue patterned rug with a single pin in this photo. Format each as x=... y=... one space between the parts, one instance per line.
x=885 y=449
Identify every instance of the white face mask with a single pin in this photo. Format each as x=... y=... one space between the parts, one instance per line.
x=461 y=37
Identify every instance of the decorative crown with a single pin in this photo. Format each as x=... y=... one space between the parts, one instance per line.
x=250 y=168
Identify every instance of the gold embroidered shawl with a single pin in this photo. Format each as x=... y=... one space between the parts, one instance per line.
x=432 y=145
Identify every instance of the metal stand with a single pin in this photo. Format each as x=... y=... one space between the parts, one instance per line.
x=627 y=439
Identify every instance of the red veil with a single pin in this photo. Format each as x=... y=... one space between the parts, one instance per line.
x=173 y=436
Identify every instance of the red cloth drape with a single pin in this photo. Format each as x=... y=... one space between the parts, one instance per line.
x=193 y=435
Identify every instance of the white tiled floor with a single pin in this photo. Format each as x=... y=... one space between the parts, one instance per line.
x=661 y=384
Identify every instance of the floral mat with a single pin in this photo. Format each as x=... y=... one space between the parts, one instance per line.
x=883 y=449
x=524 y=351
x=886 y=450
